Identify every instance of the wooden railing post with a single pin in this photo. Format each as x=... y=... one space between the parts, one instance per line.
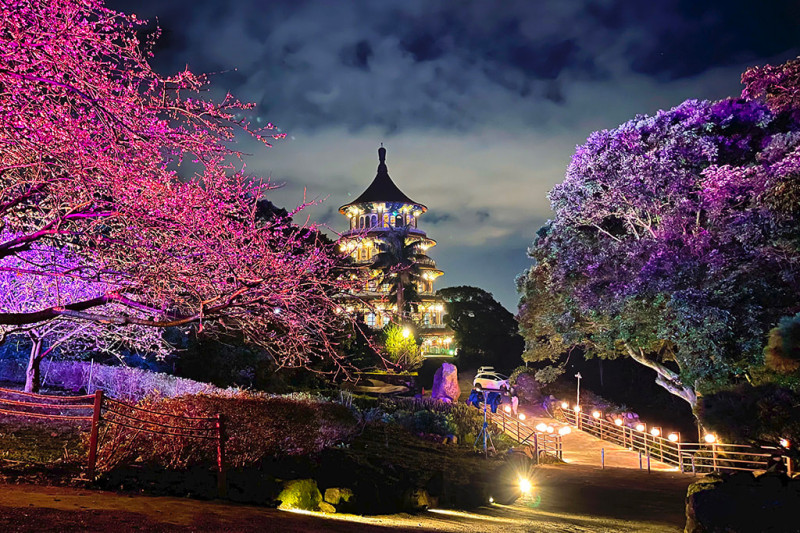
x=222 y=483
x=95 y=432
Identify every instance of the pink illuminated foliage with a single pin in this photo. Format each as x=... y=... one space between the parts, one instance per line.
x=135 y=175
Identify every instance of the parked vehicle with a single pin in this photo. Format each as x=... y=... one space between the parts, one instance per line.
x=487 y=378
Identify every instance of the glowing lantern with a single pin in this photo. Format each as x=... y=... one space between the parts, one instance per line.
x=709 y=438
x=655 y=432
x=639 y=427
x=596 y=414
x=673 y=437
x=618 y=421
x=564 y=405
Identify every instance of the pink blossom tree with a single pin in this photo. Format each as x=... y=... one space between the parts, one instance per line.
x=135 y=174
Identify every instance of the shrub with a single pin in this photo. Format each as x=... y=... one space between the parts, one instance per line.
x=300 y=494
x=258 y=427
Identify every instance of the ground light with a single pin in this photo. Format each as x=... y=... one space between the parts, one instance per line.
x=564 y=405
x=655 y=432
x=541 y=427
x=525 y=485
x=566 y=430
x=709 y=438
x=596 y=414
x=618 y=421
x=406 y=333
x=507 y=408
x=673 y=437
x=522 y=416
x=784 y=443
x=639 y=427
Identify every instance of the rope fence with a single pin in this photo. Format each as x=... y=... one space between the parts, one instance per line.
x=102 y=410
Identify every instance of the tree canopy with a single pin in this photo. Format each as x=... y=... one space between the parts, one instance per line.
x=485 y=331
x=135 y=174
x=675 y=241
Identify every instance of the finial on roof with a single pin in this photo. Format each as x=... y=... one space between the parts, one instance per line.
x=382 y=154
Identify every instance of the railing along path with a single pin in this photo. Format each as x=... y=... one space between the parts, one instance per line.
x=540 y=442
x=689 y=457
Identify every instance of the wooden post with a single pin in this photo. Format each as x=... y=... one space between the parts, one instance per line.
x=714 y=454
x=222 y=484
x=95 y=432
x=602 y=458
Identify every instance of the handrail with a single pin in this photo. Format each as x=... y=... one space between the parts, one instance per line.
x=687 y=456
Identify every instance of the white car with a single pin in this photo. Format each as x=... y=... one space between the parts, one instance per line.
x=488 y=379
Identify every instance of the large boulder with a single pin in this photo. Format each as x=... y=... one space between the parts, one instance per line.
x=742 y=503
x=445 y=383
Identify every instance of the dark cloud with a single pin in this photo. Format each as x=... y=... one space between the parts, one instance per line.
x=413 y=64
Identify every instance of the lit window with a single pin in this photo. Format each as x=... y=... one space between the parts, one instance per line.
x=370 y=319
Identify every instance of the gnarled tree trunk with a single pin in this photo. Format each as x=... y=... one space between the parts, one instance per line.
x=32 y=372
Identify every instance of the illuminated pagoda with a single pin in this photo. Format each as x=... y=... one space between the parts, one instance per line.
x=382 y=208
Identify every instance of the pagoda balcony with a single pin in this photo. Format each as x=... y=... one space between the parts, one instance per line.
x=379 y=229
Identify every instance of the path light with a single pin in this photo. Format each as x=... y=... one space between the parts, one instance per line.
x=541 y=427
x=549 y=429
x=525 y=485
x=639 y=427
x=406 y=333
x=596 y=414
x=673 y=437
x=522 y=416
x=785 y=443
x=507 y=408
x=618 y=421
x=655 y=432
x=577 y=408
x=709 y=438
x=564 y=405
x=491 y=500
x=566 y=430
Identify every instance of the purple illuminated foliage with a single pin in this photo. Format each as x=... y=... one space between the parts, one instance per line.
x=92 y=141
x=675 y=242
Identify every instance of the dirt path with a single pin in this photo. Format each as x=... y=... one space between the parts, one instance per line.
x=570 y=498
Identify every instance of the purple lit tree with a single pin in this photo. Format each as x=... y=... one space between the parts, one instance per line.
x=92 y=145
x=21 y=294
x=672 y=243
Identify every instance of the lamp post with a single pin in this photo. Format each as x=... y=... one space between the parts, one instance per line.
x=578 y=394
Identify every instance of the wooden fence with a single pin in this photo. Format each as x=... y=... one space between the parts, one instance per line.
x=99 y=409
x=540 y=441
x=689 y=457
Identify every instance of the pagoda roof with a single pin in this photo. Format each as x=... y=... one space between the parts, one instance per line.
x=382 y=188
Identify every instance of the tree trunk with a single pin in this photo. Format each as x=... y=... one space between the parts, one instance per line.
x=401 y=302
x=32 y=373
x=665 y=377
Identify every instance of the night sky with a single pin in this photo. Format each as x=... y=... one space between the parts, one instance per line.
x=479 y=103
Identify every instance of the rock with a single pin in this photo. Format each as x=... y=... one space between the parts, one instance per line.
x=445 y=383
x=300 y=494
x=416 y=499
x=336 y=495
x=740 y=503
x=325 y=507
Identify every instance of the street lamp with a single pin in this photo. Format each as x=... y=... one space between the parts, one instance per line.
x=578 y=394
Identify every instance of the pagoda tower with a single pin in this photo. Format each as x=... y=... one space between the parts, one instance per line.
x=380 y=209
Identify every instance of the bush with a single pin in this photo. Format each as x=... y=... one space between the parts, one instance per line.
x=258 y=427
